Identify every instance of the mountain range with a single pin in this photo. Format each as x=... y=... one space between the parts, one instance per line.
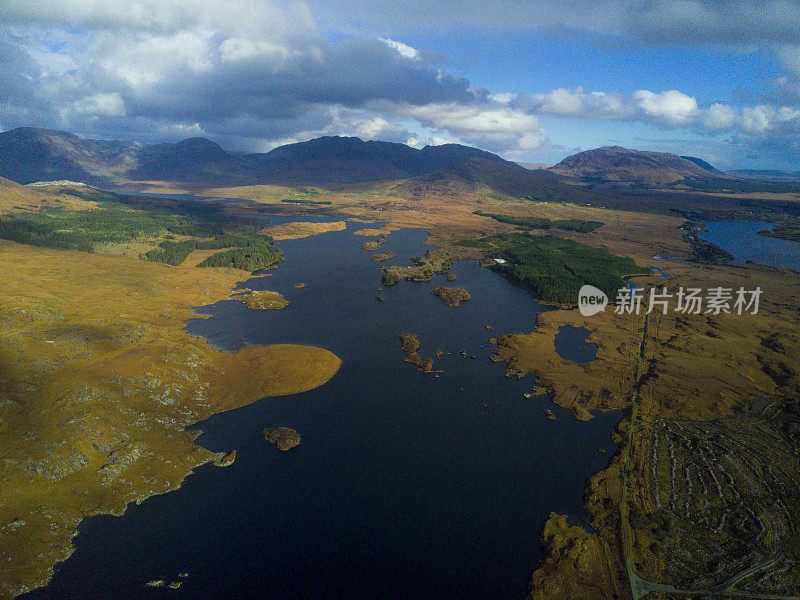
x=29 y=154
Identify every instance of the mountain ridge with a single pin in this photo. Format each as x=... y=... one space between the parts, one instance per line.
x=615 y=164
x=29 y=154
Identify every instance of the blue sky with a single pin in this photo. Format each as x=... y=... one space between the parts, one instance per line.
x=533 y=81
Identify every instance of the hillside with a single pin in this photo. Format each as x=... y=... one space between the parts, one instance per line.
x=15 y=198
x=479 y=174
x=624 y=165
x=28 y=154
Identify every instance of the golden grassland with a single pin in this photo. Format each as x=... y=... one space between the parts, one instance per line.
x=448 y=215
x=370 y=232
x=299 y=229
x=20 y=198
x=705 y=364
x=99 y=381
x=714 y=474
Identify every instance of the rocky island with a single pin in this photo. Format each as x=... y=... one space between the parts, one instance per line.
x=453 y=296
x=285 y=438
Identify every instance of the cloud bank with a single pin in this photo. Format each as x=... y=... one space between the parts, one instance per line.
x=255 y=74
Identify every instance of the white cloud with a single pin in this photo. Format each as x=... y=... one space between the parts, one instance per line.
x=563 y=102
x=719 y=117
x=761 y=119
x=111 y=105
x=671 y=107
x=489 y=125
x=403 y=50
x=243 y=18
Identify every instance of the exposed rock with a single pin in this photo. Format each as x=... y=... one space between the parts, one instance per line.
x=549 y=414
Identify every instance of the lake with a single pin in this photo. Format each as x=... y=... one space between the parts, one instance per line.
x=405 y=486
x=741 y=239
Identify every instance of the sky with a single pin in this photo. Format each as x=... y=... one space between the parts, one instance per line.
x=533 y=81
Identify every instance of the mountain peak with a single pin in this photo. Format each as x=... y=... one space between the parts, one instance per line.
x=618 y=164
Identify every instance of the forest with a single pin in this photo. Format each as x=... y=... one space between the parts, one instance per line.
x=542 y=223
x=554 y=269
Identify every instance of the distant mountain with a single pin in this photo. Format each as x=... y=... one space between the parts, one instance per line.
x=347 y=160
x=766 y=175
x=194 y=159
x=477 y=173
x=701 y=163
x=623 y=165
x=534 y=166
x=28 y=155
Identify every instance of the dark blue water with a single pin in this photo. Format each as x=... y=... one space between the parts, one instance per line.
x=741 y=239
x=406 y=486
x=570 y=343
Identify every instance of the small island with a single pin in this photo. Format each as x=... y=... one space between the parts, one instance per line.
x=453 y=296
x=373 y=245
x=264 y=300
x=285 y=438
x=382 y=256
x=409 y=343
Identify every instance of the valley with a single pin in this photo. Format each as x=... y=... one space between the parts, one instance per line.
x=100 y=379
